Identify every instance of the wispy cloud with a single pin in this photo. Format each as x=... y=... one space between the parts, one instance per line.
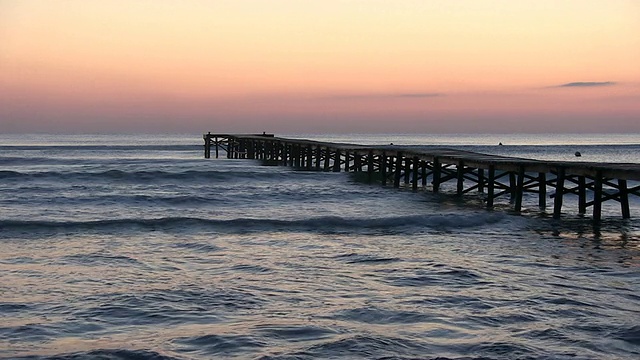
x=417 y=95
x=388 y=96
x=588 y=84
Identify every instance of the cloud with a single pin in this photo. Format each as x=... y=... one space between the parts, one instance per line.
x=588 y=84
x=388 y=96
x=417 y=95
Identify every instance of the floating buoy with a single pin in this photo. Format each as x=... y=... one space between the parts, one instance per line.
x=578 y=153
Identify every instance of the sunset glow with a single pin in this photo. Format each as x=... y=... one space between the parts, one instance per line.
x=320 y=66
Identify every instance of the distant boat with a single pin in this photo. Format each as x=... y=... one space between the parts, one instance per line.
x=578 y=154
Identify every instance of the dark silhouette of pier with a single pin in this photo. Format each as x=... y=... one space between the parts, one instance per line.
x=491 y=175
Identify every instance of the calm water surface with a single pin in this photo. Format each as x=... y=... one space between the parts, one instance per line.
x=134 y=247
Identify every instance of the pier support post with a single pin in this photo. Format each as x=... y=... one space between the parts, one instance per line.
x=398 y=170
x=383 y=168
x=309 y=157
x=299 y=156
x=270 y=147
x=207 y=146
x=292 y=154
x=407 y=170
x=318 y=156
x=512 y=186
x=597 y=196
x=370 y=166
x=357 y=162
x=519 y=189
x=291 y=150
x=347 y=161
x=624 y=198
x=423 y=167
x=480 y=180
x=491 y=184
x=327 y=158
x=557 y=200
x=542 y=190
x=251 y=151
x=336 y=161
x=460 y=173
x=436 y=175
x=283 y=149
x=582 y=195
x=240 y=153
x=414 y=180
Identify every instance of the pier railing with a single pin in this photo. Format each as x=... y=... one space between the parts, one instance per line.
x=491 y=175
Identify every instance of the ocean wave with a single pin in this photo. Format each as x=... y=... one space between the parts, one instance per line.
x=102 y=148
x=100 y=259
x=325 y=224
x=103 y=354
x=362 y=347
x=220 y=345
x=145 y=175
x=374 y=315
x=432 y=277
x=354 y=258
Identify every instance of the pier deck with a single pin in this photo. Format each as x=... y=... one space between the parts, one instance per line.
x=491 y=175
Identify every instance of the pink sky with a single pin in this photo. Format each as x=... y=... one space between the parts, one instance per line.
x=330 y=66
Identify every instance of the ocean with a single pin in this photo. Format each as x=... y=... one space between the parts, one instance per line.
x=136 y=247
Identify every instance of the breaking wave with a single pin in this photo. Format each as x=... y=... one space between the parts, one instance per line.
x=243 y=225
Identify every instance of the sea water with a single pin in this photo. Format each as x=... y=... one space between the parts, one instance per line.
x=135 y=247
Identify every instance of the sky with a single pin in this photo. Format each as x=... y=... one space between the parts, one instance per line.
x=320 y=66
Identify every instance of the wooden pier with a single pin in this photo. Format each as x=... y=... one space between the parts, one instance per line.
x=490 y=175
